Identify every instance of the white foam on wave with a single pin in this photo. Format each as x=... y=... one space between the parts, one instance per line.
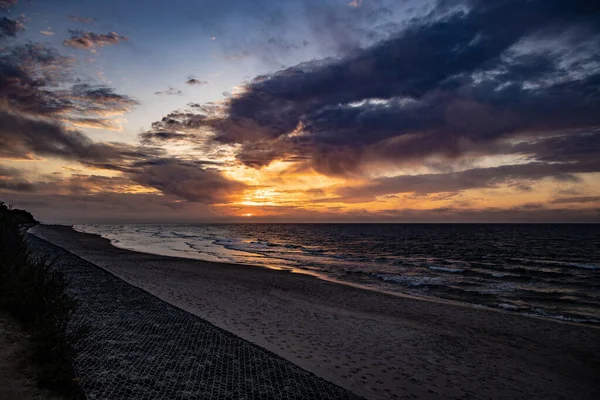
x=573 y=264
x=173 y=241
x=411 y=280
x=445 y=269
x=537 y=312
x=563 y=263
x=506 y=306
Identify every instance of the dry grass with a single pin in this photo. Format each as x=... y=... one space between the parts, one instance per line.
x=35 y=293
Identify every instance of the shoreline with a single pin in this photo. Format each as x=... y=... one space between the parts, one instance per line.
x=301 y=271
x=376 y=344
x=327 y=278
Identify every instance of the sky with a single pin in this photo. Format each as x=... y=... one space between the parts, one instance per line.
x=301 y=110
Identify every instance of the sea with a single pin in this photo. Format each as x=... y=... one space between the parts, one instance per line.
x=548 y=270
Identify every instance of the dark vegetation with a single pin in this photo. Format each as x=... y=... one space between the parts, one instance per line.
x=35 y=293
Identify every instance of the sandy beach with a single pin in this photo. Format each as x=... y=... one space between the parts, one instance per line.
x=376 y=345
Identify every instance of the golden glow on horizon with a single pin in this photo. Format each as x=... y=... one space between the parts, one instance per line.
x=291 y=189
x=284 y=189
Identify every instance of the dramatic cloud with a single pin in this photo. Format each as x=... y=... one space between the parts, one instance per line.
x=12 y=179
x=36 y=80
x=469 y=179
x=97 y=99
x=146 y=166
x=38 y=91
x=446 y=86
x=23 y=136
x=189 y=181
x=37 y=94
x=89 y=40
x=8 y=27
x=28 y=76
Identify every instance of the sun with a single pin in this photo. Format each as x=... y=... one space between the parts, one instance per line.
x=248 y=215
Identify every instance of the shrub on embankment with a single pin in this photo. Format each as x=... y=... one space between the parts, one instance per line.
x=35 y=293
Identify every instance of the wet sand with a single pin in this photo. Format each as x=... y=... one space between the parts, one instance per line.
x=375 y=344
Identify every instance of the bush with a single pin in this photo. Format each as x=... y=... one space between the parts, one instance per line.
x=34 y=291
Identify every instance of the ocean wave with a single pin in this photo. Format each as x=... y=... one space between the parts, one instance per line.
x=445 y=269
x=484 y=274
x=538 y=312
x=183 y=235
x=579 y=265
x=561 y=263
x=410 y=280
x=506 y=306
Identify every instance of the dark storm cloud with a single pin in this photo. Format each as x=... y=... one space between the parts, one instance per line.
x=89 y=40
x=97 y=99
x=144 y=165
x=566 y=148
x=8 y=27
x=189 y=181
x=23 y=136
x=7 y=172
x=37 y=80
x=12 y=179
x=470 y=179
x=193 y=181
x=28 y=75
x=448 y=84
x=419 y=60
